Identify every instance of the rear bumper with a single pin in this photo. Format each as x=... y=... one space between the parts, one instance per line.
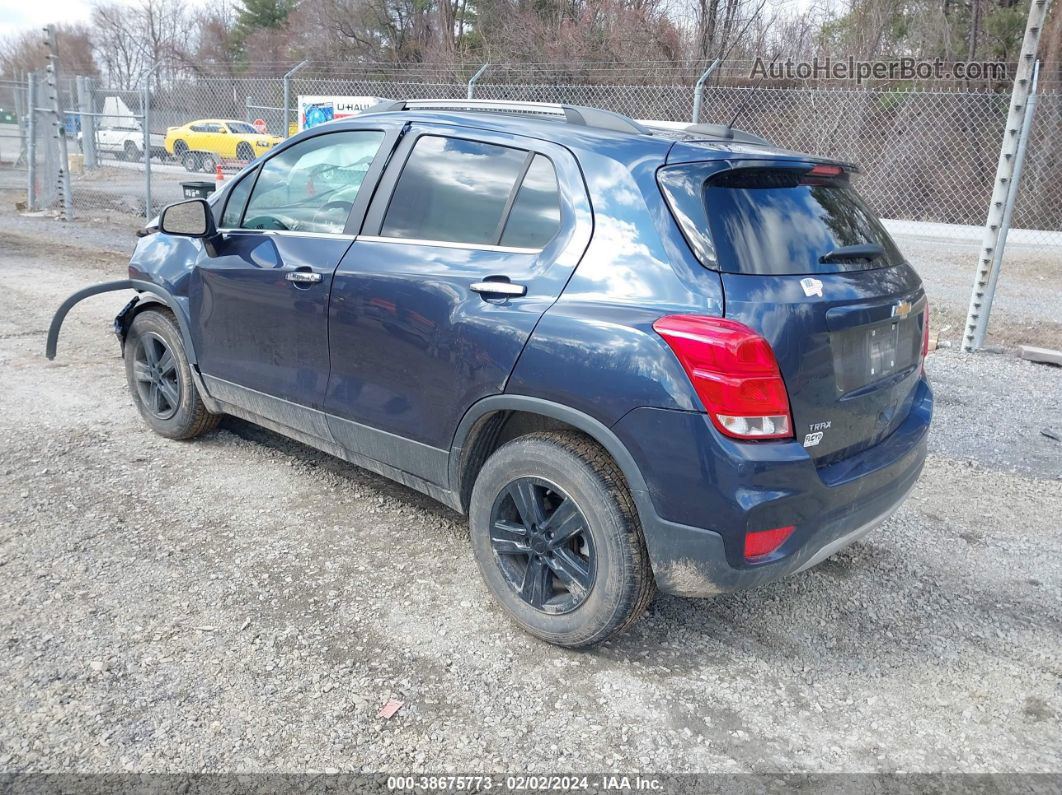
x=706 y=492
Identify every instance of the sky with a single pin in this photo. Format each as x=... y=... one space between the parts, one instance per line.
x=19 y=15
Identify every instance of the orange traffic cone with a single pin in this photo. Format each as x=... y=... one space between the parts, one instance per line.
x=219 y=178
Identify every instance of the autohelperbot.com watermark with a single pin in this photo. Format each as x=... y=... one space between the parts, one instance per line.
x=849 y=68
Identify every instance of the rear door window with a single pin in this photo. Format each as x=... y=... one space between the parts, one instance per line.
x=781 y=221
x=454 y=190
x=535 y=215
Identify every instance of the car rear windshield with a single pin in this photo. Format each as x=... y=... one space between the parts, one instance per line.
x=783 y=221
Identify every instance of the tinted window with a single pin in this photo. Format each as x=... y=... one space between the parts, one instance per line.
x=780 y=222
x=311 y=186
x=535 y=216
x=453 y=190
x=241 y=127
x=236 y=201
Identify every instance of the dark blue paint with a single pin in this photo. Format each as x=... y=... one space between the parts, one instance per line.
x=403 y=358
x=252 y=326
x=413 y=346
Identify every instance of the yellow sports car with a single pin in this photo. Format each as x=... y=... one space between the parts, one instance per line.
x=201 y=145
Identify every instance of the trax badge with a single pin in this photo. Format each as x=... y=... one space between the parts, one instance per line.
x=811 y=287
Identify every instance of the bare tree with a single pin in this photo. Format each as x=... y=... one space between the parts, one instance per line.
x=24 y=52
x=130 y=39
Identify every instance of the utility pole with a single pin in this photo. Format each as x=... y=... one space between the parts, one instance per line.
x=995 y=234
x=58 y=128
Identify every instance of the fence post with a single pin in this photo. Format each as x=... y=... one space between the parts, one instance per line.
x=52 y=72
x=247 y=109
x=88 y=121
x=474 y=78
x=1008 y=208
x=20 y=115
x=991 y=256
x=31 y=141
x=287 y=97
x=145 y=120
x=698 y=91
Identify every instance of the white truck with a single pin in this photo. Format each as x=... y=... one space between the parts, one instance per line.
x=120 y=133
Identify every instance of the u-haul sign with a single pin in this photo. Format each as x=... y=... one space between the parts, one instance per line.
x=314 y=110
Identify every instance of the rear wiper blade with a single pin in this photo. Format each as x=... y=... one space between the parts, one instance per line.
x=867 y=251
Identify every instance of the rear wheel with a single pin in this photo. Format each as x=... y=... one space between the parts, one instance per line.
x=191 y=161
x=160 y=379
x=179 y=148
x=208 y=162
x=557 y=539
x=132 y=153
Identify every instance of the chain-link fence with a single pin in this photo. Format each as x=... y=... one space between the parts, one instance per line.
x=928 y=155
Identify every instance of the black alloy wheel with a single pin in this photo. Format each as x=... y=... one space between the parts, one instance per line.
x=543 y=545
x=157 y=381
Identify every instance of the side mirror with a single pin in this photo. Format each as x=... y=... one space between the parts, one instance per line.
x=190 y=218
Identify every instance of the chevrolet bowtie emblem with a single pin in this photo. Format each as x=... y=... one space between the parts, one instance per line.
x=902 y=309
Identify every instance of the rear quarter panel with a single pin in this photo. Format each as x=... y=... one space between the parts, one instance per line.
x=595 y=349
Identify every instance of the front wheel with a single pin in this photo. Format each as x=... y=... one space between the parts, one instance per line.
x=160 y=379
x=557 y=539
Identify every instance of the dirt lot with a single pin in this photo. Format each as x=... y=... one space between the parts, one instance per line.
x=244 y=603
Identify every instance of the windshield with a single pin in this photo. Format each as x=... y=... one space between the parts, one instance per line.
x=781 y=221
x=241 y=127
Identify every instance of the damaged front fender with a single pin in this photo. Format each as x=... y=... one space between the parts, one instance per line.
x=124 y=284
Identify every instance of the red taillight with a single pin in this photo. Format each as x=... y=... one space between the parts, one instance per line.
x=734 y=372
x=763 y=542
x=824 y=170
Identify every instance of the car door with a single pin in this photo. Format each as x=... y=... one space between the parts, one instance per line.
x=259 y=299
x=470 y=238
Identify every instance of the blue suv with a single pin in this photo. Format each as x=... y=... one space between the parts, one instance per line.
x=636 y=357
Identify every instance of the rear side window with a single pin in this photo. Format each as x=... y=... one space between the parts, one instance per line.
x=779 y=221
x=453 y=190
x=535 y=216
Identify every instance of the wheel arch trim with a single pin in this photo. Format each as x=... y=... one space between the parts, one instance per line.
x=158 y=295
x=592 y=427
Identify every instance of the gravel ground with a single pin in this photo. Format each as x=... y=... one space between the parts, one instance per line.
x=244 y=603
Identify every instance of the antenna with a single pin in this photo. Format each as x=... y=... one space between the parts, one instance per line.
x=744 y=103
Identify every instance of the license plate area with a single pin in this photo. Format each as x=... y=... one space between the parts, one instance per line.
x=867 y=354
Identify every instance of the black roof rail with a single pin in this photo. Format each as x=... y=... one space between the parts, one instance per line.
x=572 y=114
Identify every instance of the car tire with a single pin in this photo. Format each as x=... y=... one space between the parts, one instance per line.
x=179 y=148
x=208 y=163
x=191 y=161
x=244 y=152
x=131 y=152
x=589 y=580
x=160 y=380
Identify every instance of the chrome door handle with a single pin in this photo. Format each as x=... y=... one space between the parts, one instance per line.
x=303 y=277
x=498 y=288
